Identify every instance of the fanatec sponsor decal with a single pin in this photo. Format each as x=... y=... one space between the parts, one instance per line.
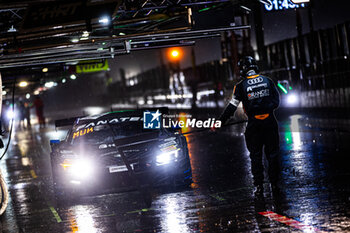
x=110 y=121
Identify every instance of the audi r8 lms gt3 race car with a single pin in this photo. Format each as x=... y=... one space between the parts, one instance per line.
x=113 y=152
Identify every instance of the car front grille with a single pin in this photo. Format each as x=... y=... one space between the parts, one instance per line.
x=111 y=158
x=137 y=157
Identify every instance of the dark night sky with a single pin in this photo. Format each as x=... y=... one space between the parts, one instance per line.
x=277 y=26
x=326 y=13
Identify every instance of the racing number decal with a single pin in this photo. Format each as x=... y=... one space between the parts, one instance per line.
x=83 y=132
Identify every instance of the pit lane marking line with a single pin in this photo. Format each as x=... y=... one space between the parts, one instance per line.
x=217 y=197
x=100 y=216
x=237 y=189
x=55 y=214
x=107 y=215
x=32 y=172
x=288 y=221
x=141 y=210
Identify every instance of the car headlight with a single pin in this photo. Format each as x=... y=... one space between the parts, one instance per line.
x=79 y=168
x=167 y=157
x=10 y=114
x=292 y=99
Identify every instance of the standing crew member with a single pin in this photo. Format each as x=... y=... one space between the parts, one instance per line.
x=39 y=108
x=260 y=98
x=27 y=114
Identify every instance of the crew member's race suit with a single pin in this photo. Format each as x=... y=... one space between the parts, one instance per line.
x=260 y=98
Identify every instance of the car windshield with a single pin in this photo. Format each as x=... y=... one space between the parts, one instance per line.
x=103 y=134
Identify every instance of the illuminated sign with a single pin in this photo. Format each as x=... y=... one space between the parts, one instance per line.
x=58 y=13
x=300 y=1
x=92 y=66
x=278 y=5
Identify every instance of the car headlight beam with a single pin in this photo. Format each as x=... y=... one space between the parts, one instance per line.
x=79 y=168
x=166 y=157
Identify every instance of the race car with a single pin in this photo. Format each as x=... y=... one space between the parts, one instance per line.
x=112 y=152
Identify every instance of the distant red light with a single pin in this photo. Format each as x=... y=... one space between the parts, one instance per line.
x=175 y=54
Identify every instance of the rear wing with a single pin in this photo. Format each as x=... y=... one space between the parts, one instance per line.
x=139 y=111
x=163 y=110
x=66 y=122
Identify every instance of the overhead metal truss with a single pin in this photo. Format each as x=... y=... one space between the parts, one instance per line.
x=136 y=25
x=110 y=48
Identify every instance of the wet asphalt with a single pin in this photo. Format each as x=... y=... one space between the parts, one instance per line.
x=315 y=189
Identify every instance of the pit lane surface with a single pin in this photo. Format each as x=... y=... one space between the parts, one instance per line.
x=316 y=187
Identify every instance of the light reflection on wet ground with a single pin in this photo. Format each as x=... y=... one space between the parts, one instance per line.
x=315 y=187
